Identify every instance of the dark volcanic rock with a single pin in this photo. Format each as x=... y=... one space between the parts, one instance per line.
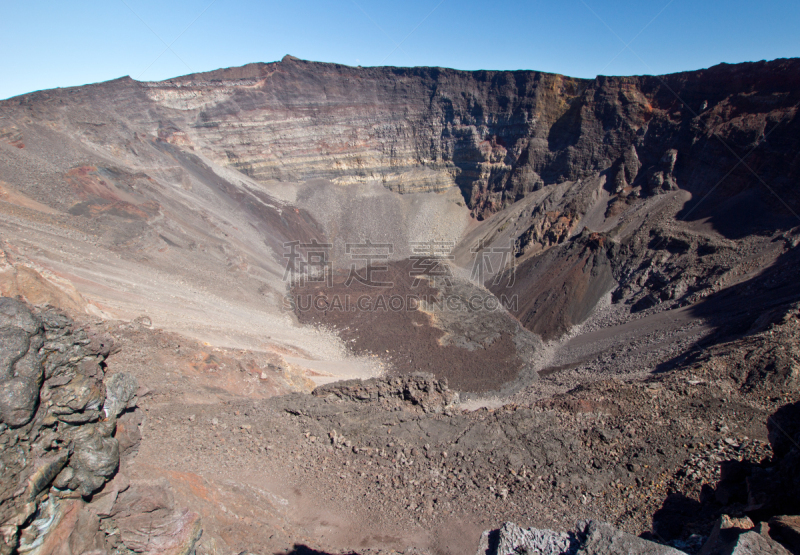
x=15 y=343
x=94 y=460
x=20 y=365
x=120 y=392
x=783 y=428
x=16 y=315
x=787 y=530
x=561 y=287
x=62 y=450
x=18 y=400
x=422 y=390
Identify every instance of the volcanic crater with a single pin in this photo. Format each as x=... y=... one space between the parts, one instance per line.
x=582 y=303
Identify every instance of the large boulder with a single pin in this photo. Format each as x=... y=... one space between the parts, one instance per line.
x=94 y=460
x=14 y=344
x=786 y=529
x=15 y=314
x=19 y=398
x=600 y=538
x=589 y=538
x=120 y=394
x=753 y=543
x=79 y=400
x=725 y=533
x=510 y=539
x=149 y=522
x=30 y=365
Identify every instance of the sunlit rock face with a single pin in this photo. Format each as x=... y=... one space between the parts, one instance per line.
x=497 y=135
x=414 y=130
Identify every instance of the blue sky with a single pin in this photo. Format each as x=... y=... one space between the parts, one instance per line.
x=47 y=44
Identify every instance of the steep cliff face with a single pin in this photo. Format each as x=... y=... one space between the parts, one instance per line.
x=412 y=129
x=497 y=135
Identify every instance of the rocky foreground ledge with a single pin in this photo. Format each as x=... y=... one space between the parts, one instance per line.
x=68 y=430
x=762 y=497
x=667 y=463
x=732 y=536
x=759 y=494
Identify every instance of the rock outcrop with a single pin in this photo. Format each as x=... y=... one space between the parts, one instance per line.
x=421 y=390
x=511 y=539
x=67 y=430
x=588 y=538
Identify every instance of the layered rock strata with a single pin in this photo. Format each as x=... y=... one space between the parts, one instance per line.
x=498 y=135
